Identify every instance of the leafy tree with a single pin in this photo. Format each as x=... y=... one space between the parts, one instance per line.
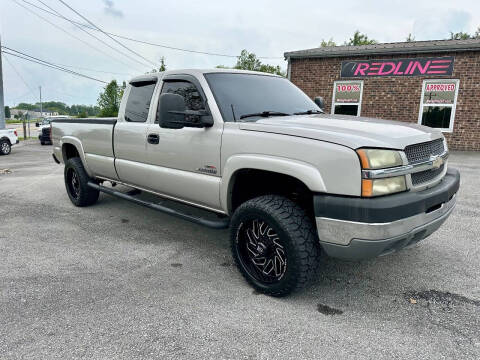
x=477 y=33
x=7 y=112
x=82 y=115
x=327 y=43
x=109 y=99
x=460 y=35
x=410 y=38
x=163 y=67
x=249 y=61
x=360 y=39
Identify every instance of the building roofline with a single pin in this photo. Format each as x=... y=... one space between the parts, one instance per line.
x=413 y=47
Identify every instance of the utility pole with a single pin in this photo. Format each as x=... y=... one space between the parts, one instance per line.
x=2 y=102
x=41 y=109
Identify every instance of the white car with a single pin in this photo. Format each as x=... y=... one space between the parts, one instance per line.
x=8 y=137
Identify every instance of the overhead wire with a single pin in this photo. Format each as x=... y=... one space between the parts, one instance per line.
x=147 y=42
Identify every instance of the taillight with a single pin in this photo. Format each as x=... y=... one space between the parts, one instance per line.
x=15 y=132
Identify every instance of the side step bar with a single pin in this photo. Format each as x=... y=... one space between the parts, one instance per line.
x=214 y=224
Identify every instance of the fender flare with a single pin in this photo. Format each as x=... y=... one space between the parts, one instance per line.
x=304 y=172
x=78 y=145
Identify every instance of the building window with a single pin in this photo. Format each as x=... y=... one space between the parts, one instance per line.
x=347 y=97
x=438 y=103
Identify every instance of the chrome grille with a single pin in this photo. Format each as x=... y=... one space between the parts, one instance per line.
x=422 y=152
x=426 y=176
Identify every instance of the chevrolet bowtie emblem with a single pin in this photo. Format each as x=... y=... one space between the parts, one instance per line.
x=437 y=161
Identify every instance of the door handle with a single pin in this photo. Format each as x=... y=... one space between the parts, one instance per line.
x=153 y=139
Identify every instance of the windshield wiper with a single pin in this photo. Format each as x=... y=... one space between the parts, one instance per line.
x=264 y=114
x=308 y=112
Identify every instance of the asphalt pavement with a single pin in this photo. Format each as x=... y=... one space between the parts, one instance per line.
x=120 y=281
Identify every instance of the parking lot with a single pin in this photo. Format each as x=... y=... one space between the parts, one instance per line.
x=116 y=280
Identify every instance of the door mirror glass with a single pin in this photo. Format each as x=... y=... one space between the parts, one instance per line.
x=171 y=111
x=320 y=102
x=37 y=124
x=173 y=114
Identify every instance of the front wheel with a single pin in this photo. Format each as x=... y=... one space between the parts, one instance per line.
x=5 y=147
x=274 y=245
x=76 y=183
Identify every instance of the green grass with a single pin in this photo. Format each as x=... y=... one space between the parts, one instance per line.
x=20 y=138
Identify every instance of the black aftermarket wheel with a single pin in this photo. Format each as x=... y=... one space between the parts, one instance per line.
x=274 y=245
x=5 y=147
x=76 y=180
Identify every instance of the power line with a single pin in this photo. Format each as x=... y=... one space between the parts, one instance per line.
x=108 y=35
x=18 y=74
x=95 y=37
x=75 y=37
x=147 y=42
x=47 y=64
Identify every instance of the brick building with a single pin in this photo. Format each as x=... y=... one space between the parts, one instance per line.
x=434 y=83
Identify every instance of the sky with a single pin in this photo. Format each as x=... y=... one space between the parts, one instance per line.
x=266 y=28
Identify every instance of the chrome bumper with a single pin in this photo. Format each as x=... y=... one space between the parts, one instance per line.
x=359 y=228
x=342 y=232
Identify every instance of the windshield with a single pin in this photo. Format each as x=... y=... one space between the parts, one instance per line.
x=45 y=121
x=251 y=97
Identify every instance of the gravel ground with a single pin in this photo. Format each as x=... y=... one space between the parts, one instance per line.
x=119 y=281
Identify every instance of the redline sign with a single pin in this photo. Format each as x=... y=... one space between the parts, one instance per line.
x=398 y=67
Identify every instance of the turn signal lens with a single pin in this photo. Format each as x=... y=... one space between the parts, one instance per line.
x=377 y=187
x=379 y=158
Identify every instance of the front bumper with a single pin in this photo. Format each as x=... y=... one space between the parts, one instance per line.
x=359 y=228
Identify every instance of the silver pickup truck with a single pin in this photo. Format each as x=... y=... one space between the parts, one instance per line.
x=290 y=181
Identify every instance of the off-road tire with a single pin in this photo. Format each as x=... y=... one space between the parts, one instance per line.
x=5 y=147
x=42 y=142
x=296 y=233
x=80 y=194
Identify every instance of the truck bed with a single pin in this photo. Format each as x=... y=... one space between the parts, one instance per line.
x=94 y=136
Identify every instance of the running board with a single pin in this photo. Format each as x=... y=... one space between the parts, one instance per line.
x=214 y=224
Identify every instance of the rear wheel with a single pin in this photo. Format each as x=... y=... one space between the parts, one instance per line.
x=76 y=183
x=274 y=245
x=5 y=147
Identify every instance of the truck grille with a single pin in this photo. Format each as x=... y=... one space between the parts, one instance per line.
x=426 y=176
x=422 y=152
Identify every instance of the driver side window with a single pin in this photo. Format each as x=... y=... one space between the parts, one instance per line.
x=193 y=99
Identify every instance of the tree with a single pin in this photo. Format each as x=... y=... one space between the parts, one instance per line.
x=460 y=36
x=82 y=115
x=163 y=67
x=410 y=38
x=109 y=99
x=360 y=39
x=249 y=61
x=477 y=33
x=8 y=114
x=327 y=43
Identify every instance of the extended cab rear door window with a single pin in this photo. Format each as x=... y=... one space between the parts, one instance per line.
x=139 y=99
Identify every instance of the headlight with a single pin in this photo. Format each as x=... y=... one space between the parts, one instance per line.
x=375 y=159
x=377 y=187
x=379 y=159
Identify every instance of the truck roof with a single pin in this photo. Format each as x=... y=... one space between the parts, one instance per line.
x=195 y=72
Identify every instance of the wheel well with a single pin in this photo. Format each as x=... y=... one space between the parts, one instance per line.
x=250 y=183
x=69 y=151
x=6 y=138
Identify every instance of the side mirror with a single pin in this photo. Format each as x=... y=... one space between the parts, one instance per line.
x=320 y=102
x=37 y=124
x=172 y=113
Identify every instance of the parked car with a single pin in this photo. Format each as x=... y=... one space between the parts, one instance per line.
x=289 y=180
x=44 y=128
x=8 y=137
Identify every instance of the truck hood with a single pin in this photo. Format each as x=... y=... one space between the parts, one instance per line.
x=354 y=132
